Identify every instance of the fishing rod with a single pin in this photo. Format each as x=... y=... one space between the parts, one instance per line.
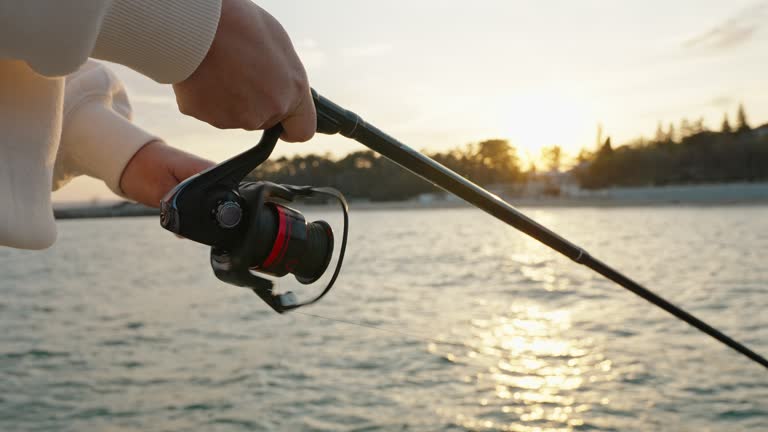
x=333 y=119
x=256 y=237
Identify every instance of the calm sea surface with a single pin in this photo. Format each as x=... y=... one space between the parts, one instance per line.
x=462 y=324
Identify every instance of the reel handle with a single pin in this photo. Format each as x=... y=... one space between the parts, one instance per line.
x=187 y=209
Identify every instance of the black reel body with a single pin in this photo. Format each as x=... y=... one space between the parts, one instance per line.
x=252 y=229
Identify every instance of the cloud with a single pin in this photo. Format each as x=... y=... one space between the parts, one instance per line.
x=370 y=50
x=735 y=31
x=311 y=54
x=722 y=102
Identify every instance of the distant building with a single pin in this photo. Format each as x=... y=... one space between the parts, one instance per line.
x=429 y=198
x=505 y=190
x=761 y=131
x=437 y=198
x=551 y=184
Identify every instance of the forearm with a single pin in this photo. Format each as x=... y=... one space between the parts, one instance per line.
x=163 y=39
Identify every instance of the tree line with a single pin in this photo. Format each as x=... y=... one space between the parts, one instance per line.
x=686 y=155
x=366 y=175
x=689 y=153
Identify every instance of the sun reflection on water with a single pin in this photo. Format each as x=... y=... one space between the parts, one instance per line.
x=528 y=374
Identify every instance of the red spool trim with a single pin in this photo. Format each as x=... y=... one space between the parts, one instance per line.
x=286 y=237
x=280 y=242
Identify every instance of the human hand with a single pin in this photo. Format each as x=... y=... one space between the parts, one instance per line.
x=156 y=169
x=251 y=77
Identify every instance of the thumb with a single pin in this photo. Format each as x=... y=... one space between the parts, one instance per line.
x=301 y=125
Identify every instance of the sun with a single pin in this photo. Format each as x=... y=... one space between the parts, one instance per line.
x=533 y=121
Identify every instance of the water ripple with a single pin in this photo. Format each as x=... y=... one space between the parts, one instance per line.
x=442 y=321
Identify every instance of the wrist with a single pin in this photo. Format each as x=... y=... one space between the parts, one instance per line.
x=139 y=165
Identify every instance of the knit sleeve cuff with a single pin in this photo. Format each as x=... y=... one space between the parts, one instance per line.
x=164 y=40
x=102 y=142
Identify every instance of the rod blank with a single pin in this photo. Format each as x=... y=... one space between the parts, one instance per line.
x=334 y=119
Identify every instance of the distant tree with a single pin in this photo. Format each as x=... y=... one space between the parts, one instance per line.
x=531 y=172
x=699 y=126
x=686 y=129
x=671 y=134
x=599 y=135
x=606 y=149
x=660 y=136
x=726 y=127
x=553 y=157
x=741 y=120
x=496 y=161
x=584 y=156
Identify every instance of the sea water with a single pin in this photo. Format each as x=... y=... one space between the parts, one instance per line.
x=442 y=320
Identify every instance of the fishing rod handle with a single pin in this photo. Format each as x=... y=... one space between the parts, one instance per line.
x=333 y=119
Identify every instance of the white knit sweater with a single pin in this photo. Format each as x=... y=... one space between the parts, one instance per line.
x=61 y=115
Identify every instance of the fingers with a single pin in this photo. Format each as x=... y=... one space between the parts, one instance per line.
x=301 y=125
x=251 y=78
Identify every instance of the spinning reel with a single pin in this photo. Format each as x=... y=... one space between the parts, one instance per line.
x=250 y=228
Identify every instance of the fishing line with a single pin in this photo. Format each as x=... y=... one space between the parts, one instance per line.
x=15 y=259
x=414 y=336
x=333 y=119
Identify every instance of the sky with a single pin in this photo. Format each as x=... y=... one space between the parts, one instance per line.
x=440 y=74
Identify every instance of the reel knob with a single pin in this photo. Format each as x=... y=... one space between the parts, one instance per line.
x=229 y=214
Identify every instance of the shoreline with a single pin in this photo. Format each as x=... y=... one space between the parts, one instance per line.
x=134 y=210
x=559 y=203
x=704 y=195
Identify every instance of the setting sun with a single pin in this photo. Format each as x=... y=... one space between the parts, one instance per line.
x=533 y=121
